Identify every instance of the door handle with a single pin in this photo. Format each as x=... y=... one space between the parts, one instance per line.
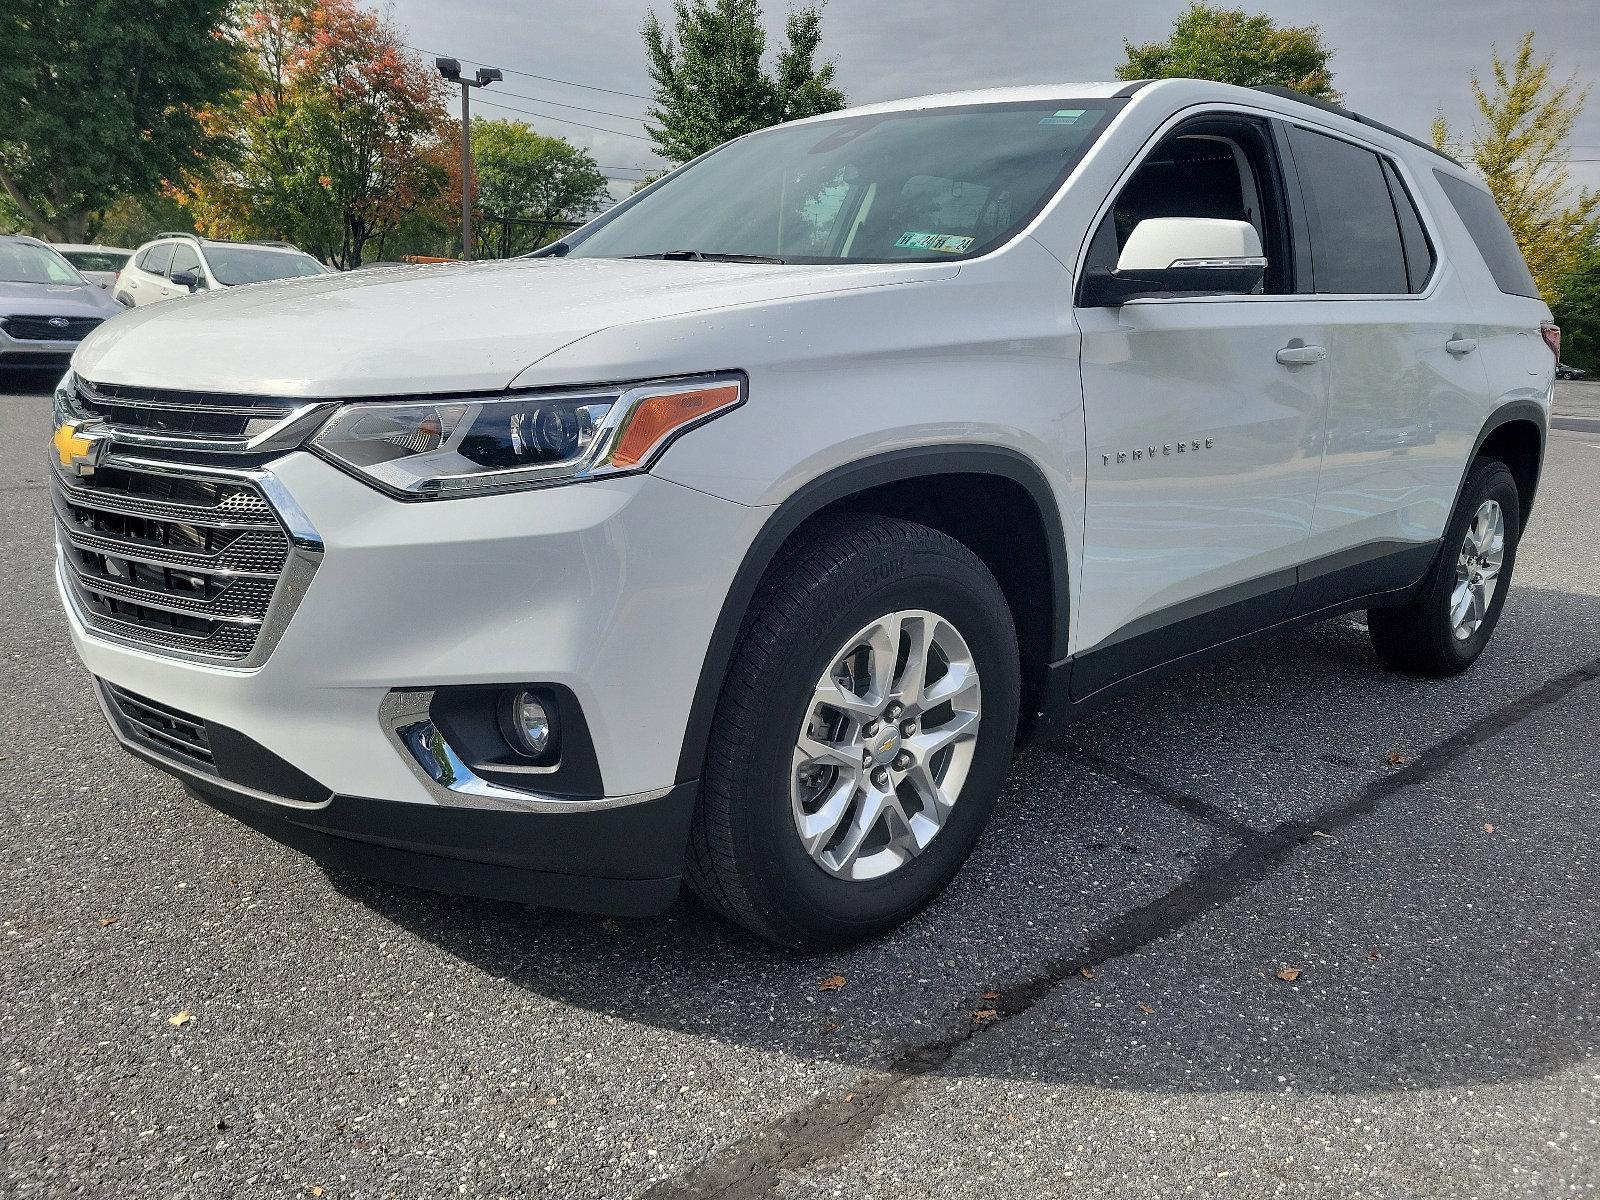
x=1460 y=346
x=1302 y=356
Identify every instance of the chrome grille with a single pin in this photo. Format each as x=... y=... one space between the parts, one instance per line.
x=176 y=558
x=159 y=726
x=196 y=414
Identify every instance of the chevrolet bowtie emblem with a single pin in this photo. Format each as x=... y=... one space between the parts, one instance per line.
x=77 y=449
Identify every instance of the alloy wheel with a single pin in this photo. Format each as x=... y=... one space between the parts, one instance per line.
x=1478 y=564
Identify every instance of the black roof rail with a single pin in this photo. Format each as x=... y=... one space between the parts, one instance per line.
x=1284 y=93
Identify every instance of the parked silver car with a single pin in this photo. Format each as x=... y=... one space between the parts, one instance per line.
x=98 y=264
x=46 y=306
x=180 y=264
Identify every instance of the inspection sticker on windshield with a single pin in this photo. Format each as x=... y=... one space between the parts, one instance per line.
x=1063 y=116
x=945 y=242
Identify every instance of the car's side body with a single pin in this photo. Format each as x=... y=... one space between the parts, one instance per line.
x=1147 y=483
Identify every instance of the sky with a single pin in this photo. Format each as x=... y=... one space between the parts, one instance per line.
x=1398 y=61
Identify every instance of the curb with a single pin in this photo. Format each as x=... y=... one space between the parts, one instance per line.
x=1576 y=424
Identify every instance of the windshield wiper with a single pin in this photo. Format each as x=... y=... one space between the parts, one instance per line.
x=709 y=256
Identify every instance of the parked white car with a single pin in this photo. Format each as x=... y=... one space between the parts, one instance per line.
x=98 y=264
x=741 y=535
x=181 y=264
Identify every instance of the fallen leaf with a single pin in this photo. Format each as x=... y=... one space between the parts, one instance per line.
x=179 y=1019
x=104 y=921
x=315 y=1189
x=1288 y=974
x=1373 y=955
x=552 y=1102
x=830 y=1027
x=849 y=1097
x=984 y=1015
x=991 y=996
x=1488 y=828
x=1396 y=758
x=1145 y=1008
x=831 y=984
x=1086 y=972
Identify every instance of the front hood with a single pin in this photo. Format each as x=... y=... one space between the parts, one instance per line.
x=55 y=300
x=423 y=329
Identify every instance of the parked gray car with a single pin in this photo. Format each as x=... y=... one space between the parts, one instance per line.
x=46 y=306
x=100 y=265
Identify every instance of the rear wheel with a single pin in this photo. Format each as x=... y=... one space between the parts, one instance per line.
x=1444 y=629
x=864 y=730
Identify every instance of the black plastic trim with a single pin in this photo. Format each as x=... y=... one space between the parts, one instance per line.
x=1515 y=410
x=1377 y=575
x=1284 y=93
x=1129 y=88
x=469 y=719
x=839 y=484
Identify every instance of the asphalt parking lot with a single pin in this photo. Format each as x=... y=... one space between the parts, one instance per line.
x=1289 y=925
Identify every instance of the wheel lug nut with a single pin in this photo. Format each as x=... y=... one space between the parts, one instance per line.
x=880 y=778
x=902 y=761
x=908 y=728
x=870 y=729
x=893 y=711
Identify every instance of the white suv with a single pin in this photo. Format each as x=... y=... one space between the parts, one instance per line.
x=741 y=535
x=181 y=264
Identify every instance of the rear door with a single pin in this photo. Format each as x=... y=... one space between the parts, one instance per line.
x=154 y=284
x=1406 y=381
x=1203 y=442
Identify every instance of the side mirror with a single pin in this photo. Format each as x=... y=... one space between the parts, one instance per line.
x=186 y=279
x=1171 y=256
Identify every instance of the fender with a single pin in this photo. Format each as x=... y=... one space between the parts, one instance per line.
x=838 y=484
x=1514 y=410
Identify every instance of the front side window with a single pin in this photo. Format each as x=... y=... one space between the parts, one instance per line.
x=1356 y=247
x=921 y=186
x=184 y=258
x=23 y=262
x=249 y=264
x=159 y=258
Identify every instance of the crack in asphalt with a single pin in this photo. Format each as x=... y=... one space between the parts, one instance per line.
x=832 y=1125
x=1191 y=806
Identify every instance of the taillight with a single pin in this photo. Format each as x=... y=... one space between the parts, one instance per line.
x=1552 y=337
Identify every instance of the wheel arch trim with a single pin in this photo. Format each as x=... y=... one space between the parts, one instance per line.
x=830 y=488
x=1511 y=411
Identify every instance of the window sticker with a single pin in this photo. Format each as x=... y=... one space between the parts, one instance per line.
x=1063 y=116
x=946 y=243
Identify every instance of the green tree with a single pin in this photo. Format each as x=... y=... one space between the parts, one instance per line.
x=523 y=174
x=1230 y=45
x=710 y=84
x=1519 y=146
x=1577 y=310
x=342 y=132
x=104 y=99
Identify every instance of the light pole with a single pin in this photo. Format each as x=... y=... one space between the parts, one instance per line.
x=450 y=68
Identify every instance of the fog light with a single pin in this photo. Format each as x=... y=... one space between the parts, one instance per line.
x=530 y=724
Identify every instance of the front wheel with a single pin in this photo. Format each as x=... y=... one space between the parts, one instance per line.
x=1444 y=629
x=864 y=731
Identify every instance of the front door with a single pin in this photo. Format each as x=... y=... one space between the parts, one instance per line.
x=1203 y=420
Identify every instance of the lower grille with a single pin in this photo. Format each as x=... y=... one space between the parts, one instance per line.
x=48 y=328
x=173 y=560
x=165 y=729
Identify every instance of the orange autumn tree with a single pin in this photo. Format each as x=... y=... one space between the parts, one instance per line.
x=341 y=134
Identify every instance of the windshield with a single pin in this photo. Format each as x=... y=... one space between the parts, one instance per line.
x=919 y=186
x=248 y=264
x=23 y=262
x=96 y=260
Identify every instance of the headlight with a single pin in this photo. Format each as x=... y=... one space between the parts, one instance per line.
x=462 y=446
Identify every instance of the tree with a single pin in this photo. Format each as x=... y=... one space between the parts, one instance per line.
x=104 y=99
x=523 y=174
x=710 y=85
x=343 y=134
x=1519 y=147
x=1577 y=310
x=1232 y=46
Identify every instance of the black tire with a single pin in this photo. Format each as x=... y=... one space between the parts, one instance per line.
x=745 y=857
x=1419 y=638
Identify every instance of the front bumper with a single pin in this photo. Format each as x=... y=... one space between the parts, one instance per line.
x=609 y=589
x=21 y=352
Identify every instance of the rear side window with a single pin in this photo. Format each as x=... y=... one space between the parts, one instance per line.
x=1491 y=234
x=157 y=258
x=1356 y=247
x=1413 y=237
